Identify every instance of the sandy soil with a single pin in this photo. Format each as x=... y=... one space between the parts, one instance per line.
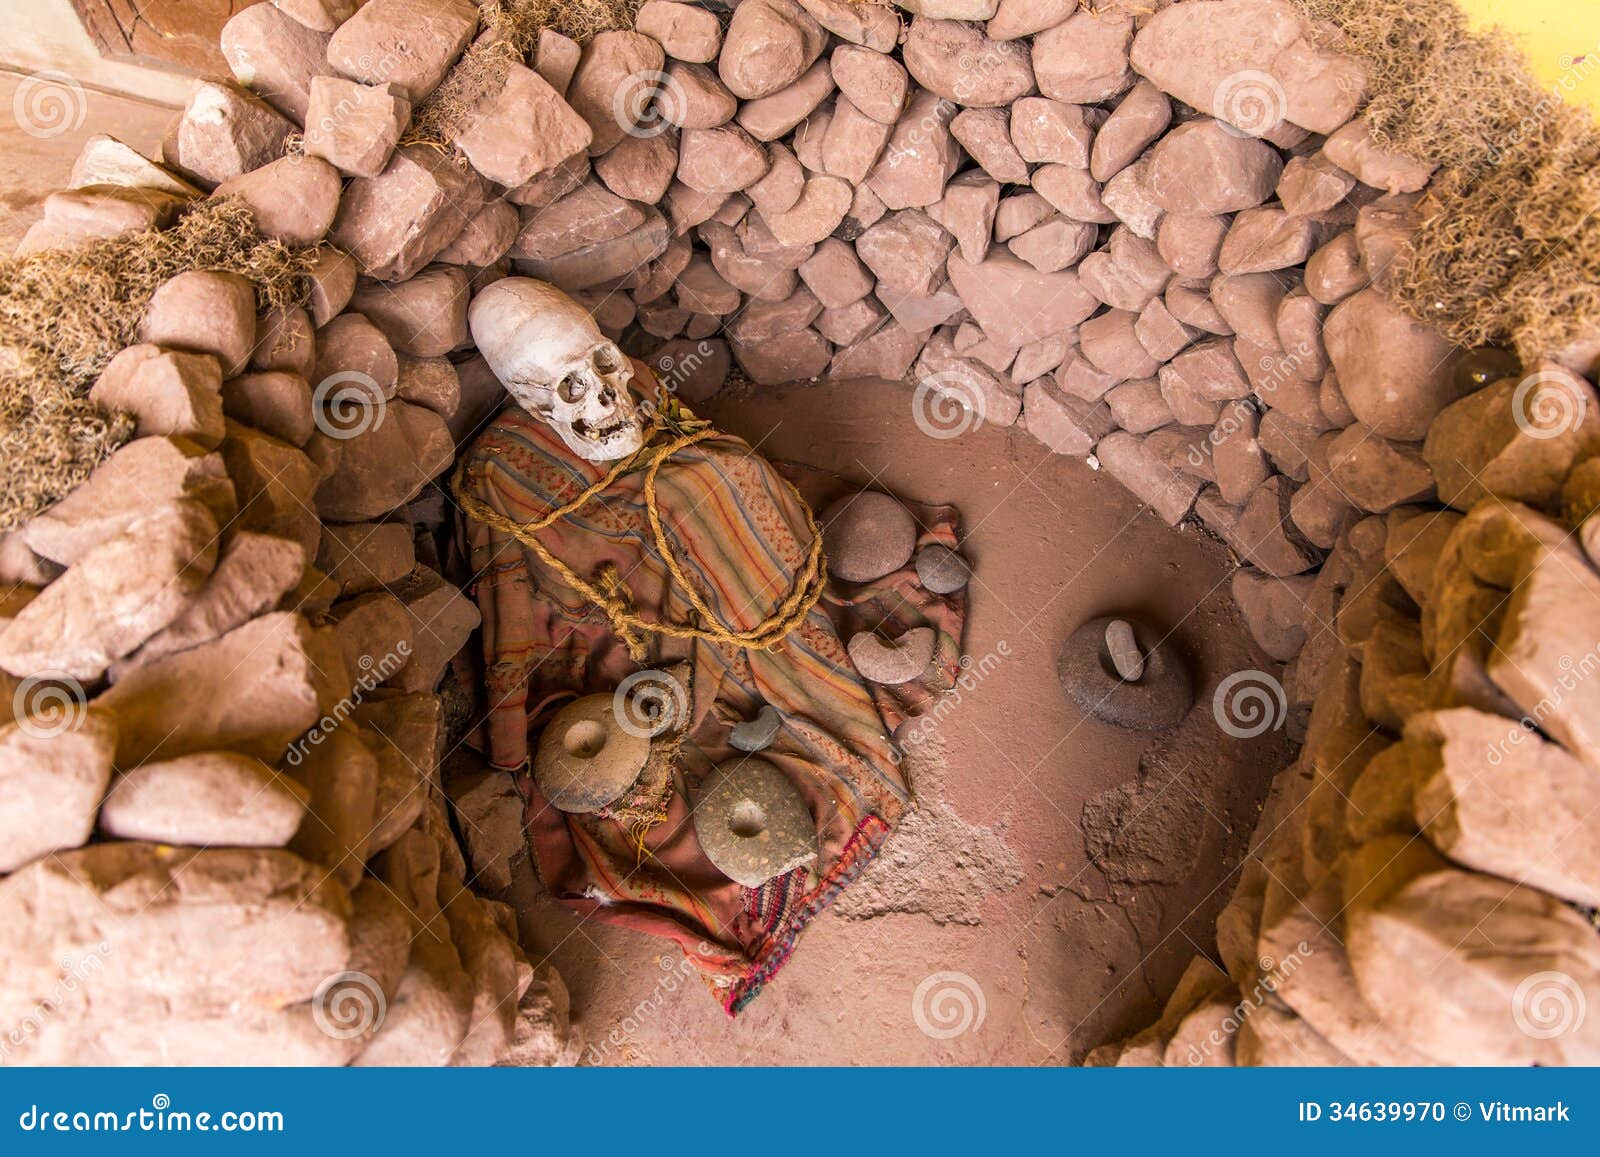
x=986 y=934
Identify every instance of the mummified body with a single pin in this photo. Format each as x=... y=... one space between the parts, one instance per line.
x=729 y=553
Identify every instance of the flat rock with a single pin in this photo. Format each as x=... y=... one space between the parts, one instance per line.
x=275 y=56
x=397 y=222
x=210 y=797
x=1395 y=373
x=55 y=763
x=1249 y=62
x=956 y=61
x=1203 y=168
x=115 y=596
x=1084 y=59
x=225 y=131
x=207 y=312
x=867 y=535
x=767 y=46
x=410 y=43
x=522 y=129
x=353 y=126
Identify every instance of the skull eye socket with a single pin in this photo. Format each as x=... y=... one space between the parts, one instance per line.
x=571 y=389
x=607 y=360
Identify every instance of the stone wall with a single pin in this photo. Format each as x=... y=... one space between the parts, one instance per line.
x=1157 y=239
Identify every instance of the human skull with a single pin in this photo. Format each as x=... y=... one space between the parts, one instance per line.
x=552 y=358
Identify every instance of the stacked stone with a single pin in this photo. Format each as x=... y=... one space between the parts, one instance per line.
x=224 y=832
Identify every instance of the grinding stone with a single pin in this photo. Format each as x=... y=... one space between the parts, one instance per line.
x=942 y=570
x=866 y=536
x=892 y=662
x=752 y=822
x=585 y=759
x=1159 y=698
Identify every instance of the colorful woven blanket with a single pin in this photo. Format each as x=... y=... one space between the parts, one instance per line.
x=739 y=531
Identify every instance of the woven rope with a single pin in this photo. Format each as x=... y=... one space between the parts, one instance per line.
x=611 y=594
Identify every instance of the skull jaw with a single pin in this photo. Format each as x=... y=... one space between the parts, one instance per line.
x=606 y=445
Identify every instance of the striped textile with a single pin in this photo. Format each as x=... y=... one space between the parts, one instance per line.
x=739 y=532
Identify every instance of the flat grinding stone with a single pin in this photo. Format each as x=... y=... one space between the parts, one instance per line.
x=585 y=759
x=753 y=823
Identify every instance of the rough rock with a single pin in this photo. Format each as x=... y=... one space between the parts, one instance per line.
x=115 y=596
x=1249 y=62
x=204 y=312
x=1395 y=373
x=55 y=763
x=409 y=43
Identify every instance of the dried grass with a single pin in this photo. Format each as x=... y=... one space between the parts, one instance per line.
x=65 y=313
x=513 y=28
x=1509 y=248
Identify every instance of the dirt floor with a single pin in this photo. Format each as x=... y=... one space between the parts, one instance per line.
x=986 y=934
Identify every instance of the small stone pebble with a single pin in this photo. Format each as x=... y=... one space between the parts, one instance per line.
x=1125 y=654
x=757 y=734
x=867 y=536
x=942 y=570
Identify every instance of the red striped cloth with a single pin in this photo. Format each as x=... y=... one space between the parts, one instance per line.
x=740 y=534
